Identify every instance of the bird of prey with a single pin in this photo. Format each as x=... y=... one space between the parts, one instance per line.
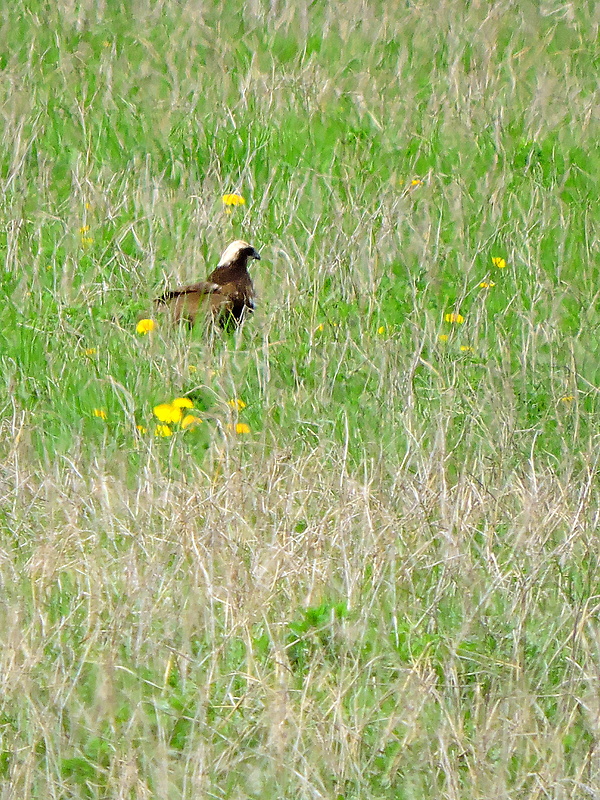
x=227 y=292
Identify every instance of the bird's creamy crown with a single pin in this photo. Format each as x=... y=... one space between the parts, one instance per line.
x=232 y=251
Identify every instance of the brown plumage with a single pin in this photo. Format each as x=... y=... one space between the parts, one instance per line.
x=227 y=292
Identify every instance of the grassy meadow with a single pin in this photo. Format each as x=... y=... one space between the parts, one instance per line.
x=371 y=571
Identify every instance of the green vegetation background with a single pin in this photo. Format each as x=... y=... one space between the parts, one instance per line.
x=388 y=588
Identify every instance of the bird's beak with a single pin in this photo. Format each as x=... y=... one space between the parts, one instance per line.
x=256 y=255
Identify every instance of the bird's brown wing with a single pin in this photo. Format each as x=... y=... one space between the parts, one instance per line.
x=185 y=301
x=203 y=287
x=227 y=302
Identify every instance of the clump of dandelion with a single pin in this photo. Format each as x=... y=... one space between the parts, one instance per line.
x=182 y=402
x=167 y=412
x=163 y=431
x=454 y=318
x=173 y=413
x=230 y=200
x=239 y=427
x=190 y=421
x=486 y=284
x=85 y=240
x=237 y=404
x=145 y=326
x=498 y=262
x=100 y=413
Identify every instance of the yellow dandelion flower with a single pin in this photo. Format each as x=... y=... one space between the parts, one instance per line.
x=86 y=241
x=443 y=337
x=145 y=326
x=466 y=349
x=233 y=200
x=84 y=229
x=167 y=412
x=320 y=328
x=192 y=368
x=241 y=427
x=498 y=262
x=568 y=398
x=142 y=429
x=416 y=182
x=90 y=351
x=88 y=206
x=486 y=284
x=163 y=430
x=182 y=402
x=237 y=404
x=381 y=329
x=458 y=318
x=99 y=412
x=190 y=421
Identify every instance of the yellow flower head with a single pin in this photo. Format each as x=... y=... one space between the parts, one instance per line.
x=241 y=427
x=163 y=430
x=458 y=318
x=99 y=412
x=568 y=398
x=416 y=182
x=237 y=404
x=182 y=402
x=90 y=351
x=486 y=284
x=466 y=349
x=86 y=241
x=145 y=326
x=141 y=428
x=167 y=412
x=443 y=337
x=320 y=328
x=233 y=200
x=193 y=368
x=498 y=262
x=381 y=330
x=190 y=421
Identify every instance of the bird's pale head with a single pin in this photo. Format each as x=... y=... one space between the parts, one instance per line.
x=238 y=252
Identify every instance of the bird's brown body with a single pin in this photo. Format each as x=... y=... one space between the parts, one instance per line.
x=228 y=292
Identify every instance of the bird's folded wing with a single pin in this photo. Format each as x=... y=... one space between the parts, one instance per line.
x=203 y=287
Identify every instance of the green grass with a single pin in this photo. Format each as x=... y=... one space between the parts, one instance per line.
x=387 y=588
